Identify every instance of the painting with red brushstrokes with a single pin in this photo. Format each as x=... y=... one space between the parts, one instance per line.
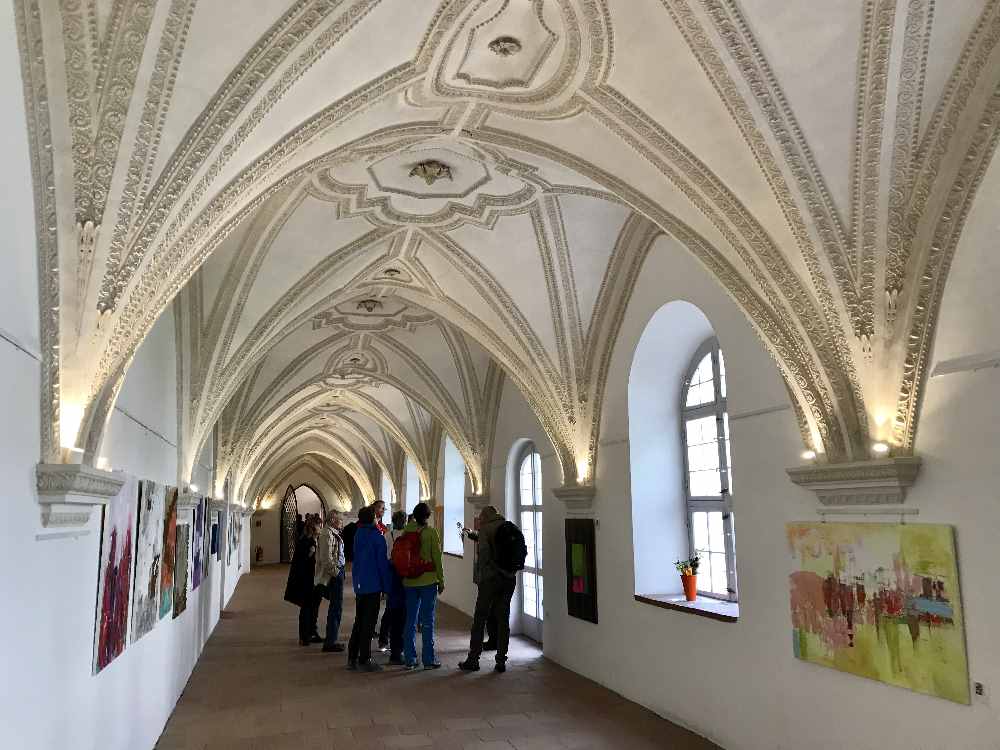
x=882 y=601
x=115 y=575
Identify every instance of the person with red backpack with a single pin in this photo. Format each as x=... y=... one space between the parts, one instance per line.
x=502 y=553
x=416 y=556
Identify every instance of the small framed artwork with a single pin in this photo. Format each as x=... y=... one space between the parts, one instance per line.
x=581 y=568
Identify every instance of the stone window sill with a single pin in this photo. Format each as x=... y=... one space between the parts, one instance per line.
x=703 y=606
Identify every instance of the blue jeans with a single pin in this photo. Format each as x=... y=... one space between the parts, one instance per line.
x=420 y=600
x=335 y=590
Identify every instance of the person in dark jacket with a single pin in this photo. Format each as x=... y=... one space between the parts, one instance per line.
x=370 y=574
x=300 y=590
x=496 y=587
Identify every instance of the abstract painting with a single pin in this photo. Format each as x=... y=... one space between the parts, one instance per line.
x=581 y=568
x=881 y=601
x=198 y=544
x=148 y=556
x=214 y=547
x=115 y=575
x=181 y=568
x=169 y=552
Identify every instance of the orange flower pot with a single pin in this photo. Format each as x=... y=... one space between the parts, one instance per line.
x=690 y=587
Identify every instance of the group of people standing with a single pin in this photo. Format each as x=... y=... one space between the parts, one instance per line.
x=402 y=565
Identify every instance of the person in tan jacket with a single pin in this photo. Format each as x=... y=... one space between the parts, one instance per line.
x=330 y=564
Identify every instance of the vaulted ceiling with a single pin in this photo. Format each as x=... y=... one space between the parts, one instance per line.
x=368 y=215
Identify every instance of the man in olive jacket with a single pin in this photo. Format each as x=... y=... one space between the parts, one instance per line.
x=496 y=587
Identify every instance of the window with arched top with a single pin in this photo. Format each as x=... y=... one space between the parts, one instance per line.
x=708 y=475
x=529 y=499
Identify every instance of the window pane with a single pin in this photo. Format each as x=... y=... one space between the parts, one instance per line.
x=529 y=602
x=703 y=457
x=541 y=598
x=716 y=538
x=719 y=582
x=538 y=539
x=536 y=465
x=699 y=530
x=701 y=389
x=722 y=374
x=729 y=455
x=528 y=529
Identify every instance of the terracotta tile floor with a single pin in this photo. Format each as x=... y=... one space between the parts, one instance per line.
x=255 y=688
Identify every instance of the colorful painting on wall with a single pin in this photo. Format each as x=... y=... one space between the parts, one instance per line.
x=115 y=575
x=881 y=601
x=168 y=559
x=198 y=544
x=181 y=568
x=148 y=556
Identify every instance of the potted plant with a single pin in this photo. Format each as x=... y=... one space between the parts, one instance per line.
x=689 y=576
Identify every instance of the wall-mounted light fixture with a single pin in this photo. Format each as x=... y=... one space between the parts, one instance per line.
x=808 y=455
x=880 y=449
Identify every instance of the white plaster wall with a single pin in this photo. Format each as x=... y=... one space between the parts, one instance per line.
x=738 y=683
x=49 y=588
x=48 y=695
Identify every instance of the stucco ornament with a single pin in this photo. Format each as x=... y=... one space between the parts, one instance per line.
x=431 y=171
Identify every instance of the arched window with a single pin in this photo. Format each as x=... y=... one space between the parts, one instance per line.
x=529 y=498
x=708 y=476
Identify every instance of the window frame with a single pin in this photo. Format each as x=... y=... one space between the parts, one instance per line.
x=718 y=408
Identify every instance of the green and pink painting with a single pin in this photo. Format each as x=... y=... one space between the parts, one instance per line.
x=881 y=601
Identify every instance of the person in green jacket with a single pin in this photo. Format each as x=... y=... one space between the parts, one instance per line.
x=422 y=592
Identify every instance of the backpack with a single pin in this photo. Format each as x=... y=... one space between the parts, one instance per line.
x=509 y=548
x=406 y=556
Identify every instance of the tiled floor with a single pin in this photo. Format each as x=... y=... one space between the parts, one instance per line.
x=255 y=688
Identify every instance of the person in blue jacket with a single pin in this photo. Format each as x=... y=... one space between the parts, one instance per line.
x=371 y=578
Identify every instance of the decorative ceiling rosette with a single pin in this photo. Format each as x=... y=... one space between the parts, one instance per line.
x=435 y=183
x=526 y=57
x=372 y=314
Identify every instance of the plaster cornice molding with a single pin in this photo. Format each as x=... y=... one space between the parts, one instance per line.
x=478 y=501
x=187 y=501
x=68 y=492
x=878 y=482
x=576 y=497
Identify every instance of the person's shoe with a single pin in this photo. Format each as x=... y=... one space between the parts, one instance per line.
x=501 y=667
x=304 y=643
x=371 y=667
x=490 y=646
x=316 y=639
x=411 y=667
x=333 y=647
x=469 y=665
x=397 y=661
x=435 y=665
x=352 y=666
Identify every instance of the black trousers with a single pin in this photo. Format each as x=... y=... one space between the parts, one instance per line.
x=309 y=614
x=359 y=648
x=492 y=602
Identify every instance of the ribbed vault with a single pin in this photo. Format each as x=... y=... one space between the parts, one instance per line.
x=365 y=220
